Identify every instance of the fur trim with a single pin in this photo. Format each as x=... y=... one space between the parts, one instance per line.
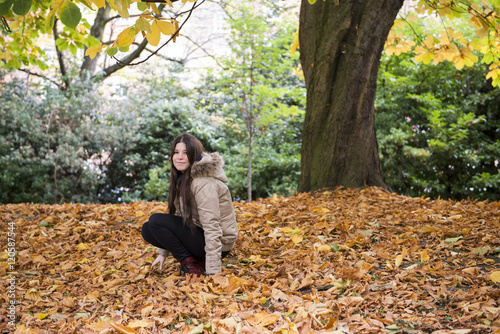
x=210 y=165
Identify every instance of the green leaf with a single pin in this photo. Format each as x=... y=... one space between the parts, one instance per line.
x=123 y=48
x=4 y=7
x=142 y=6
x=62 y=44
x=112 y=51
x=452 y=240
x=481 y=250
x=50 y=21
x=392 y=329
x=312 y=2
x=143 y=24
x=70 y=14
x=73 y=48
x=22 y=7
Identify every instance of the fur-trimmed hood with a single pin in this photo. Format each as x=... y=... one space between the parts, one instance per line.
x=210 y=165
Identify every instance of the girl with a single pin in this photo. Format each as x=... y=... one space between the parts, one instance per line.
x=201 y=227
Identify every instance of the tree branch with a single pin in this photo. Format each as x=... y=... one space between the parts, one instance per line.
x=125 y=61
x=62 y=66
x=171 y=38
x=61 y=87
x=179 y=61
x=205 y=51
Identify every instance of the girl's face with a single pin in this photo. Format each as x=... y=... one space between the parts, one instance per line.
x=180 y=158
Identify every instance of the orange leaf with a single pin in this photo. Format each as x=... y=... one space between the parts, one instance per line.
x=122 y=329
x=263 y=319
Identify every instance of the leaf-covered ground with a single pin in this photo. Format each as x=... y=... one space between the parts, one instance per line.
x=343 y=261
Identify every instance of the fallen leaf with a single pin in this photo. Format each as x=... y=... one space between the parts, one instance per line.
x=122 y=329
x=263 y=319
x=495 y=276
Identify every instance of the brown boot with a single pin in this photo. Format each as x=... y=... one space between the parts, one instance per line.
x=190 y=265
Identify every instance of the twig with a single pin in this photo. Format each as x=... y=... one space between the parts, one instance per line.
x=155 y=52
x=205 y=51
x=43 y=77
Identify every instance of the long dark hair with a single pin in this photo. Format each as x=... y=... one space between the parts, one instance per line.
x=180 y=182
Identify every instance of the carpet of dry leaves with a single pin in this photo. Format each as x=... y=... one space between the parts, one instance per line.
x=342 y=261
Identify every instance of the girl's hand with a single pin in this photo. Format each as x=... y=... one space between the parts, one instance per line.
x=160 y=259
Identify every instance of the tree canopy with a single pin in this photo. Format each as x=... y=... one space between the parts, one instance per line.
x=25 y=21
x=478 y=42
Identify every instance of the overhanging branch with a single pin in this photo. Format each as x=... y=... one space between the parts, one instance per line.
x=122 y=63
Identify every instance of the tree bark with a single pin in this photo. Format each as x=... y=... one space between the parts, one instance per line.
x=60 y=59
x=340 y=49
x=101 y=19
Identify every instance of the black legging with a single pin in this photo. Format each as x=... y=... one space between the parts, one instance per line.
x=168 y=232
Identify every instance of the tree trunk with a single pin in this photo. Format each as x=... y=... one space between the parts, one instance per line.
x=340 y=48
x=249 y=179
x=101 y=19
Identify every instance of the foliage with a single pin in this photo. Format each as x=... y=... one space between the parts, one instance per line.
x=346 y=261
x=276 y=162
x=478 y=34
x=438 y=129
x=51 y=143
x=24 y=21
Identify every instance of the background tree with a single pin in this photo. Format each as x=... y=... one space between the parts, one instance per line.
x=340 y=48
x=437 y=129
x=256 y=86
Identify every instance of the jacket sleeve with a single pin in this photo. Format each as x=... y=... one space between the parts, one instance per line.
x=207 y=202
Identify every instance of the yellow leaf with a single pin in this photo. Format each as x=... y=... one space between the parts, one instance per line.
x=154 y=36
x=153 y=6
x=255 y=258
x=399 y=260
x=297 y=239
x=424 y=57
x=495 y=276
x=424 y=257
x=122 y=7
x=166 y=27
x=287 y=229
x=324 y=248
x=99 y=3
x=6 y=56
x=322 y=210
x=140 y=213
x=42 y=316
x=398 y=23
x=295 y=43
x=82 y=246
x=94 y=50
x=428 y=229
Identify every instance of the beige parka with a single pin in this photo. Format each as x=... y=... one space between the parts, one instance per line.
x=214 y=211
